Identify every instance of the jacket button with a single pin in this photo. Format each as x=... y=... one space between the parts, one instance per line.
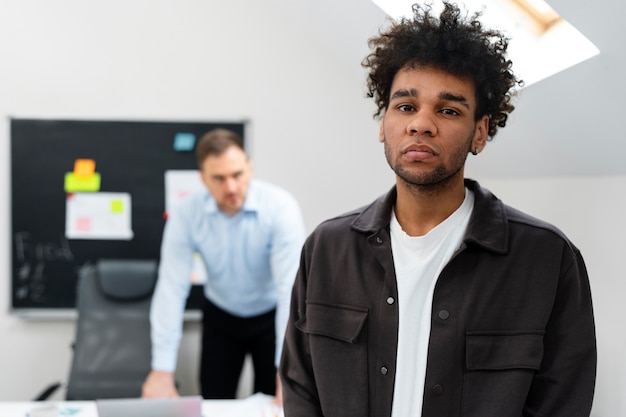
x=378 y=240
x=437 y=389
x=384 y=370
x=444 y=314
x=390 y=300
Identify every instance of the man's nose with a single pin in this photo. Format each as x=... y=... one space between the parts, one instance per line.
x=422 y=123
x=230 y=185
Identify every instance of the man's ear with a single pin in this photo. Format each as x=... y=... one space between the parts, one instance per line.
x=203 y=178
x=381 y=132
x=481 y=133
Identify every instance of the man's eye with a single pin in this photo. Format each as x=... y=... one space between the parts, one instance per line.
x=450 y=112
x=405 y=107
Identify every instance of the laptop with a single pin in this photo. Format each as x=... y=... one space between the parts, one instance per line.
x=190 y=406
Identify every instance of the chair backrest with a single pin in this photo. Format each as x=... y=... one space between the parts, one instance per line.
x=112 y=347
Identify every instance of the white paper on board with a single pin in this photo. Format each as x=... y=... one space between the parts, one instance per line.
x=99 y=216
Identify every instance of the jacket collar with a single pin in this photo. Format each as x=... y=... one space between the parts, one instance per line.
x=488 y=226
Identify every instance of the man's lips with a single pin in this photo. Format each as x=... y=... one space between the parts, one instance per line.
x=232 y=197
x=418 y=152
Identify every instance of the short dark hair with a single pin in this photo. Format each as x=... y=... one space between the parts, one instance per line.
x=455 y=43
x=215 y=142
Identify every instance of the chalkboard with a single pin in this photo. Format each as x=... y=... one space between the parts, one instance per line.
x=131 y=158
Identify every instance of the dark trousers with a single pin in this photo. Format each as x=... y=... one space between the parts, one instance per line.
x=226 y=339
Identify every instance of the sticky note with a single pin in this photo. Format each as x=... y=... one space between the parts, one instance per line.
x=184 y=141
x=117 y=206
x=74 y=183
x=84 y=168
x=83 y=224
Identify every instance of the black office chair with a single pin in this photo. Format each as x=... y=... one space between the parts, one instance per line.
x=112 y=348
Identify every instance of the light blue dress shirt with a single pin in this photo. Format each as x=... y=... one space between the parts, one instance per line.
x=251 y=262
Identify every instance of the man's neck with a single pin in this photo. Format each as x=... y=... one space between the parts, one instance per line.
x=419 y=209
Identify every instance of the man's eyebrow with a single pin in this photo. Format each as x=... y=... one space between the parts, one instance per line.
x=232 y=174
x=404 y=93
x=445 y=95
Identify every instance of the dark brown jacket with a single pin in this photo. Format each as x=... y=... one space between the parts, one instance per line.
x=512 y=330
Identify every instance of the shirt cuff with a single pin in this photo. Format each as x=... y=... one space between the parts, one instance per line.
x=163 y=362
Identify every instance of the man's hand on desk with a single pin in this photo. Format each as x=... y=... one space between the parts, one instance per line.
x=159 y=384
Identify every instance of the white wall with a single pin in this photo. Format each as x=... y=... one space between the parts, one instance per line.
x=310 y=128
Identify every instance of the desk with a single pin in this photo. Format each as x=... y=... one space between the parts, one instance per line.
x=258 y=405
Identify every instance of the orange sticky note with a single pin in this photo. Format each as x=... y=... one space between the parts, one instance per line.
x=84 y=168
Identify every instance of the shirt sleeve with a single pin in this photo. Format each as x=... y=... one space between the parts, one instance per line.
x=171 y=292
x=287 y=239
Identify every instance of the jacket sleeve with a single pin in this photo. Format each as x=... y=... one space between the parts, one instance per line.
x=300 y=398
x=287 y=239
x=564 y=385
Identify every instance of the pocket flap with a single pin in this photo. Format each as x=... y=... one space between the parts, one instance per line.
x=337 y=321
x=504 y=350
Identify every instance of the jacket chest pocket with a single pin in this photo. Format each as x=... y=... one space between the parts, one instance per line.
x=500 y=367
x=503 y=350
x=336 y=321
x=337 y=337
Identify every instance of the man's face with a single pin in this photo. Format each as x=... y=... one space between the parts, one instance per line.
x=429 y=126
x=227 y=177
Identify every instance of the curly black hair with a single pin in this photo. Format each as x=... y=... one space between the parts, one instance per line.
x=455 y=43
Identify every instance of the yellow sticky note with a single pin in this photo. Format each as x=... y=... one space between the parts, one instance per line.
x=84 y=168
x=117 y=206
x=75 y=184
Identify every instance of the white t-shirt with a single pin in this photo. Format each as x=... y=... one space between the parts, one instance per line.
x=418 y=261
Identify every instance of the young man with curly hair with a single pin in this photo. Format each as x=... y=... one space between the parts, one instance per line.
x=437 y=299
